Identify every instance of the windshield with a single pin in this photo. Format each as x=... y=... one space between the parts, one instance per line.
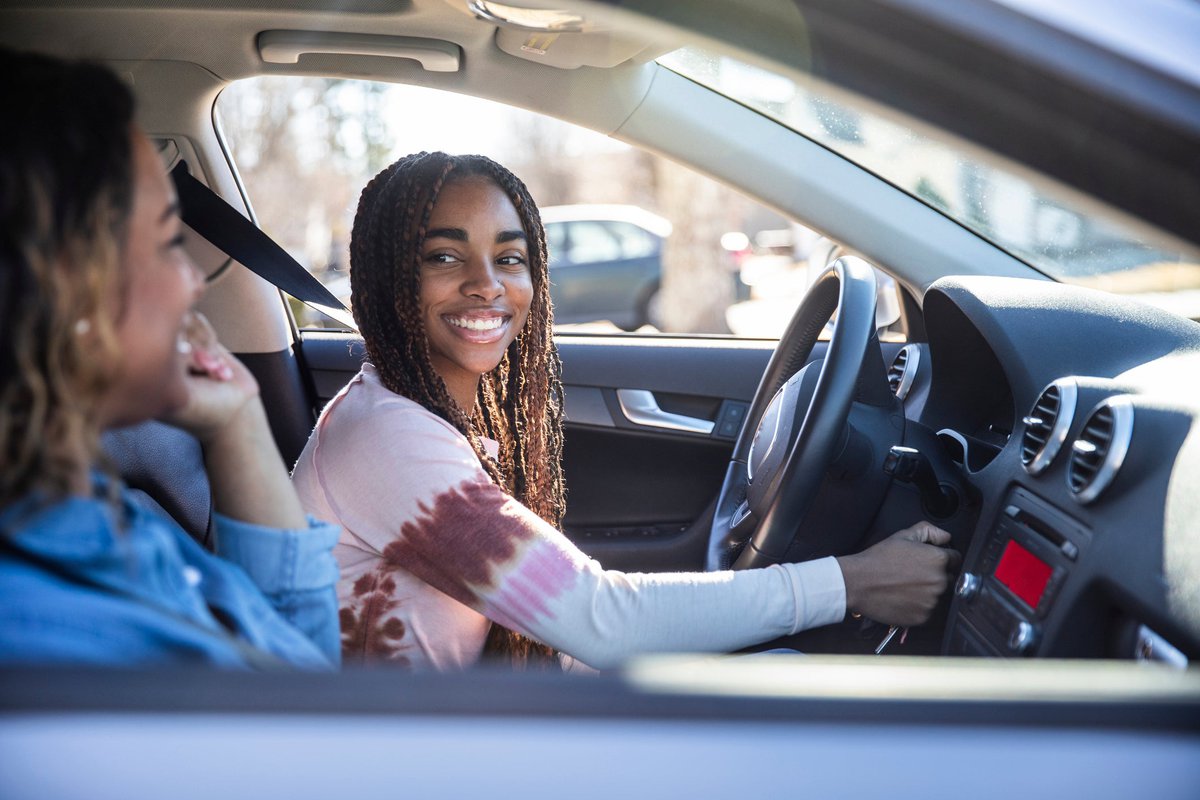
x=1058 y=238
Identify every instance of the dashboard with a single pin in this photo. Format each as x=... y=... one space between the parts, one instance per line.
x=1069 y=415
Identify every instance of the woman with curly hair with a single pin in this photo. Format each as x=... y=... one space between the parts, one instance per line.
x=441 y=459
x=96 y=333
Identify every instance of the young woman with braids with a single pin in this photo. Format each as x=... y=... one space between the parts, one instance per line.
x=97 y=332
x=441 y=460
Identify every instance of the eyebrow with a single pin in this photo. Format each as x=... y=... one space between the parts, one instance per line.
x=457 y=234
x=460 y=235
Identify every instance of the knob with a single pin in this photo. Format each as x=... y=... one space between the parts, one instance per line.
x=1022 y=636
x=967 y=586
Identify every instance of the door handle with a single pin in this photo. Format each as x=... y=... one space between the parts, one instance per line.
x=640 y=408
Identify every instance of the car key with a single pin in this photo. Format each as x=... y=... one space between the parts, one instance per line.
x=887 y=638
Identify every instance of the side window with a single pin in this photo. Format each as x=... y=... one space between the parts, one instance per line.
x=592 y=242
x=653 y=246
x=635 y=242
x=556 y=241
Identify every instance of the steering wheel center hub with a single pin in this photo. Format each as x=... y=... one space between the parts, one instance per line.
x=768 y=450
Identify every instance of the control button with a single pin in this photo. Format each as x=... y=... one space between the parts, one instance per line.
x=1012 y=511
x=968 y=585
x=730 y=428
x=1070 y=550
x=1022 y=636
x=735 y=411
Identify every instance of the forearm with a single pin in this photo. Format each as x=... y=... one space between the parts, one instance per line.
x=248 y=478
x=294 y=569
x=626 y=614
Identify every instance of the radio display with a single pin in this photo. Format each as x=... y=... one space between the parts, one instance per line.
x=1023 y=573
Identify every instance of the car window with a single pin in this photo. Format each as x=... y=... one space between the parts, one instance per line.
x=592 y=242
x=1062 y=236
x=635 y=242
x=556 y=241
x=305 y=147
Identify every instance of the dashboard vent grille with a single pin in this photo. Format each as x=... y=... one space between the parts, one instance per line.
x=1046 y=425
x=1100 y=449
x=903 y=370
x=1039 y=424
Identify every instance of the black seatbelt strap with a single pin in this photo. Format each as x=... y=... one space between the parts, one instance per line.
x=207 y=213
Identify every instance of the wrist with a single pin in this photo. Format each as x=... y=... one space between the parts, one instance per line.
x=236 y=431
x=850 y=577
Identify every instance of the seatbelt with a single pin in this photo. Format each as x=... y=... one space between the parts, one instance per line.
x=207 y=213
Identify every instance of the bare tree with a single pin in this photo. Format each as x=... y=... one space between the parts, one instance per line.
x=697 y=283
x=539 y=156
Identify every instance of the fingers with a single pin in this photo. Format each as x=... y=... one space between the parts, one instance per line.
x=927 y=533
x=206 y=355
x=953 y=561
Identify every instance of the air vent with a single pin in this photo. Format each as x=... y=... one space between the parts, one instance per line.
x=1047 y=423
x=1098 y=453
x=904 y=370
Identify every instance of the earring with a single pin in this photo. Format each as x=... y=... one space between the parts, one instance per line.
x=82 y=326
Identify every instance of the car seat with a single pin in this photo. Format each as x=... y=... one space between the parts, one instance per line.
x=164 y=468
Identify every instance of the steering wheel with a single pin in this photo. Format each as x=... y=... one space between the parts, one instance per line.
x=787 y=444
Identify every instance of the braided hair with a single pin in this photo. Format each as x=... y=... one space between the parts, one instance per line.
x=519 y=403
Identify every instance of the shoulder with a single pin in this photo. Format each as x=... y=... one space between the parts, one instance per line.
x=373 y=442
x=367 y=410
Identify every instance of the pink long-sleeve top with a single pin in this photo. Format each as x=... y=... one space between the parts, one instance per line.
x=432 y=551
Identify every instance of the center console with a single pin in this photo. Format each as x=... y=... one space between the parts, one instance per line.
x=1001 y=605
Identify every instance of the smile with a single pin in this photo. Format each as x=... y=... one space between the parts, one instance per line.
x=477 y=324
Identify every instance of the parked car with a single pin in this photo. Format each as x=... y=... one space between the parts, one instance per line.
x=605 y=263
x=1050 y=425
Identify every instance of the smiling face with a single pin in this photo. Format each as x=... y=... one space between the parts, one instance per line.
x=476 y=287
x=160 y=285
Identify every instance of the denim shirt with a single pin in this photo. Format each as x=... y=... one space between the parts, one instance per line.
x=134 y=589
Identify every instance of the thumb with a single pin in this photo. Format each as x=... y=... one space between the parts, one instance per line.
x=927 y=533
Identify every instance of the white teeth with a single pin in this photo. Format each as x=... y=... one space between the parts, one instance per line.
x=489 y=324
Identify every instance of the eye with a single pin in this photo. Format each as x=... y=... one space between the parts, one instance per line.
x=514 y=261
x=438 y=258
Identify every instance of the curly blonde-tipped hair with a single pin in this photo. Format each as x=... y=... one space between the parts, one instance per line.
x=519 y=403
x=66 y=174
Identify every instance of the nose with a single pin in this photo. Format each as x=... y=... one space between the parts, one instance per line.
x=482 y=280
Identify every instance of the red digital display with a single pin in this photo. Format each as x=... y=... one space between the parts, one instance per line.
x=1023 y=573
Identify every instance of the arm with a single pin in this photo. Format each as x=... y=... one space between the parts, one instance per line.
x=260 y=525
x=224 y=412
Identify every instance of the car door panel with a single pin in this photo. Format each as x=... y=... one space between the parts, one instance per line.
x=638 y=495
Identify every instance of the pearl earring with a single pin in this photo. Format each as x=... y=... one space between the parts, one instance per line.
x=82 y=326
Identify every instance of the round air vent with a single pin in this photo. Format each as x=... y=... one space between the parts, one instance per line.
x=1098 y=453
x=1047 y=423
x=903 y=370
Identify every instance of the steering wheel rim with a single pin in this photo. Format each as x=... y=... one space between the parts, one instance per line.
x=848 y=287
